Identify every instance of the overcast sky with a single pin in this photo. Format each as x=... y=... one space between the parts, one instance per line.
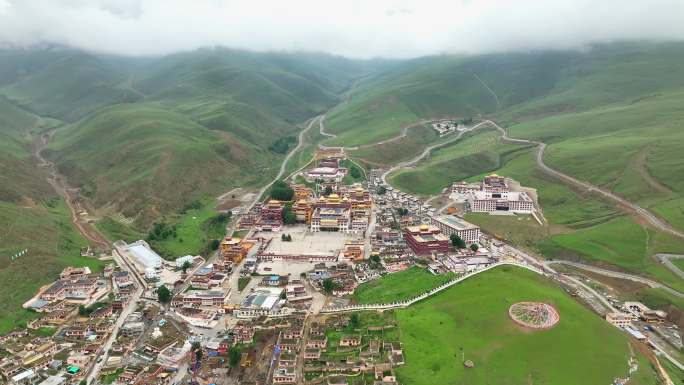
x=348 y=27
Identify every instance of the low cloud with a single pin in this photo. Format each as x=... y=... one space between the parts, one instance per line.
x=354 y=28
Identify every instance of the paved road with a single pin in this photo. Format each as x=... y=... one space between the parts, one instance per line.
x=666 y=259
x=428 y=150
x=281 y=172
x=615 y=274
x=633 y=207
x=94 y=373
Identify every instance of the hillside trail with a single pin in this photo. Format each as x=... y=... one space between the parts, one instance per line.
x=621 y=202
x=71 y=196
x=640 y=165
x=491 y=91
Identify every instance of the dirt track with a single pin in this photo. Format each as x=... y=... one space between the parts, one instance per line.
x=59 y=184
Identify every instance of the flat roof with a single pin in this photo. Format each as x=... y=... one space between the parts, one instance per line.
x=144 y=254
x=456 y=222
x=53 y=380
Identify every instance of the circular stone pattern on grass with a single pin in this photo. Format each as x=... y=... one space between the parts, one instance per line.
x=534 y=315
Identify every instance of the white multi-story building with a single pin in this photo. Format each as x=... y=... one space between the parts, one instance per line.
x=485 y=202
x=449 y=225
x=327 y=174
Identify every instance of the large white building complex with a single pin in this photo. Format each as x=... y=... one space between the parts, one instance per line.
x=449 y=224
x=492 y=194
x=516 y=202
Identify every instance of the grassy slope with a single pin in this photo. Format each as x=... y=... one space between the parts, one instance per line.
x=393 y=152
x=193 y=232
x=584 y=227
x=474 y=316
x=441 y=86
x=63 y=84
x=31 y=217
x=188 y=125
x=53 y=244
x=398 y=286
x=146 y=158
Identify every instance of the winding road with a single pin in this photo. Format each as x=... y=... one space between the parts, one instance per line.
x=283 y=166
x=645 y=214
x=428 y=150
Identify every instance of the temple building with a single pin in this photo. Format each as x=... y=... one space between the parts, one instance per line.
x=233 y=250
x=270 y=216
x=426 y=240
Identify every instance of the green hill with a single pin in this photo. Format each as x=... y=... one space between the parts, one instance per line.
x=31 y=217
x=148 y=160
x=64 y=84
x=147 y=135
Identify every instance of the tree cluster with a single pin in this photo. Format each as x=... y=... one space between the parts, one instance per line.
x=329 y=285
x=164 y=294
x=286 y=238
x=161 y=231
x=457 y=241
x=289 y=217
x=281 y=145
x=218 y=220
x=381 y=190
x=234 y=355
x=192 y=205
x=402 y=211
x=281 y=191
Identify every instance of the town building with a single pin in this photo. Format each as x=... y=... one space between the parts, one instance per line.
x=449 y=225
x=619 y=319
x=492 y=194
x=233 y=249
x=270 y=216
x=426 y=239
x=200 y=299
x=303 y=211
x=143 y=255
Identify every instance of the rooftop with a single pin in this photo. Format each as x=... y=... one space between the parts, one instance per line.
x=456 y=222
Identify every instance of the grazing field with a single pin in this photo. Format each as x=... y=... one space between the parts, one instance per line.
x=194 y=229
x=479 y=152
x=471 y=320
x=398 y=286
x=520 y=229
x=389 y=153
x=52 y=243
x=620 y=242
x=115 y=231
